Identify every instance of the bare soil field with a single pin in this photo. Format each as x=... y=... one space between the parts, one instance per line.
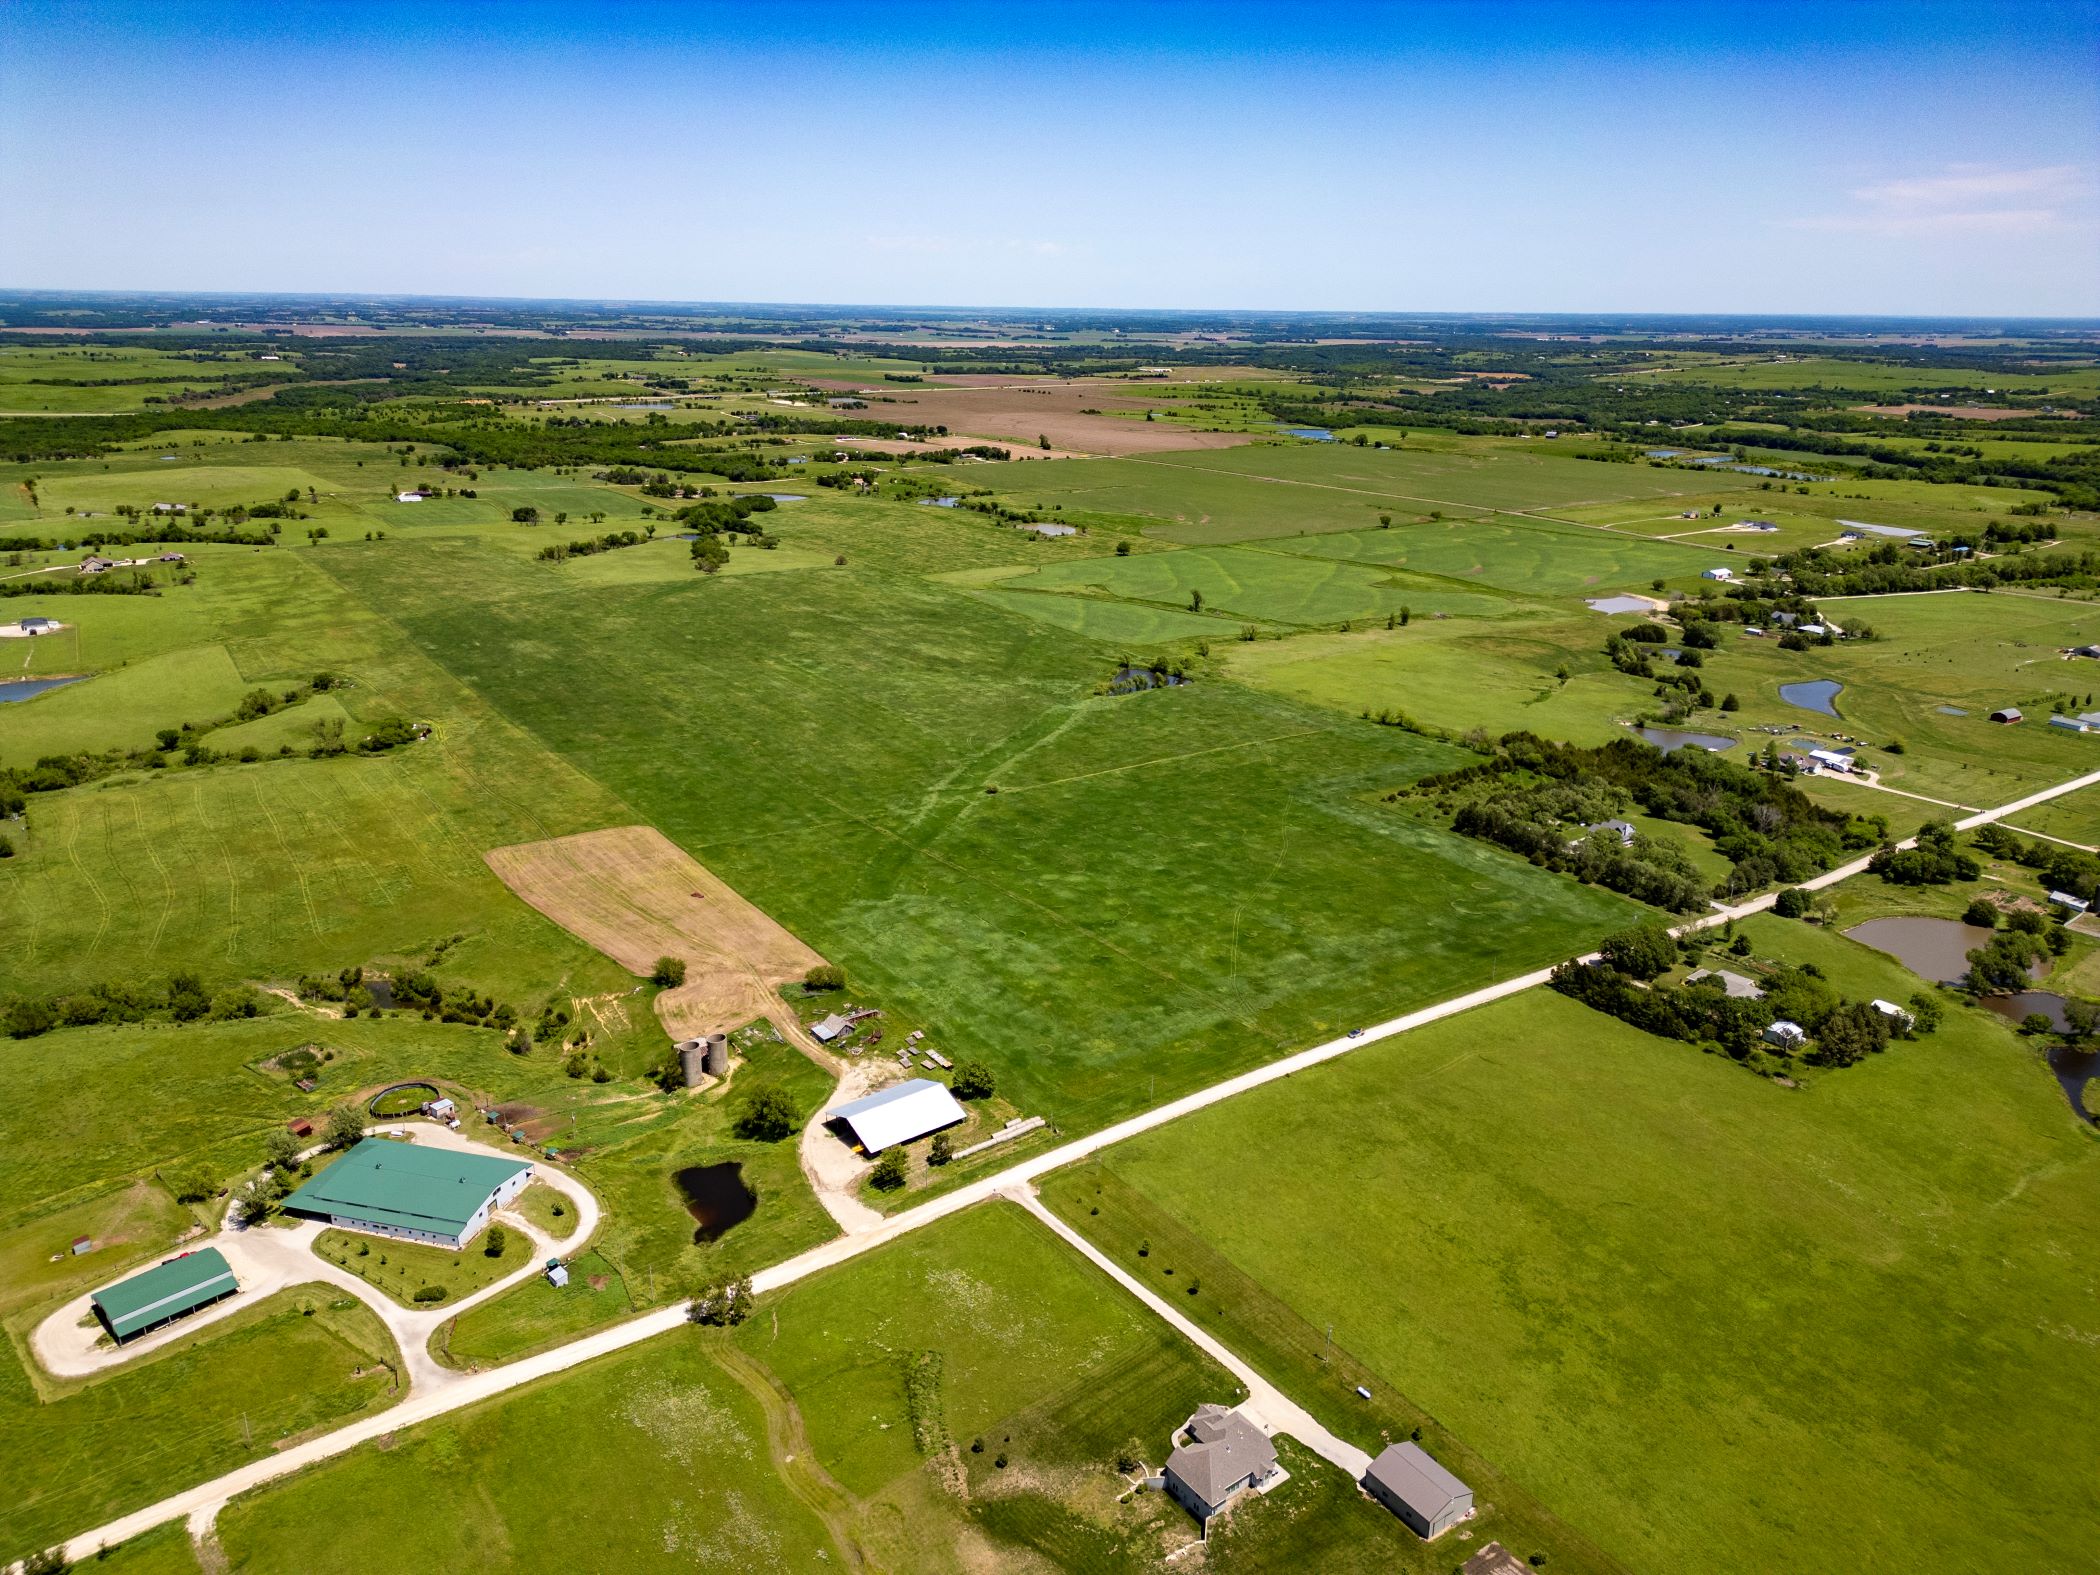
x=636 y=896
x=1959 y=412
x=1026 y=411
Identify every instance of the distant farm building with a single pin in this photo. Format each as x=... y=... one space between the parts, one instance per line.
x=2070 y=904
x=37 y=625
x=408 y=497
x=1736 y=985
x=433 y=1195
x=162 y=1294
x=171 y=508
x=1622 y=829
x=829 y=1028
x=1224 y=1457
x=1786 y=1035
x=1426 y=1497
x=1894 y=1013
x=1718 y=574
x=1831 y=760
x=83 y=1244
x=557 y=1273
x=2071 y=724
x=96 y=565
x=2009 y=713
x=899 y=1114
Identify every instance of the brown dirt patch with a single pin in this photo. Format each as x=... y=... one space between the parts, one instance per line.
x=636 y=896
x=1025 y=411
x=1959 y=412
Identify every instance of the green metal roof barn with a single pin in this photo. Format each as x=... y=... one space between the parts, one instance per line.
x=168 y=1290
x=394 y=1187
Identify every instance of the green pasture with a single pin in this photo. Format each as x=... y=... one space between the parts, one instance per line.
x=306 y=1359
x=1251 y=583
x=1511 y=555
x=654 y=1457
x=1708 y=1321
x=401 y=1268
x=864 y=824
x=2075 y=817
x=1878 y=379
x=123 y=709
x=1218 y=497
x=1113 y=622
x=165 y=1550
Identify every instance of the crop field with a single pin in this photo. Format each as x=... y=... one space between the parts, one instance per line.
x=1764 y=1307
x=631 y=893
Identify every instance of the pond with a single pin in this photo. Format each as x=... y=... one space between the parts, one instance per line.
x=1317 y=434
x=1950 y=710
x=789 y=497
x=1055 y=530
x=2074 y=1069
x=941 y=503
x=1671 y=739
x=2023 y=1004
x=717 y=1197
x=30 y=688
x=1621 y=604
x=381 y=990
x=1135 y=680
x=1935 y=949
x=1813 y=694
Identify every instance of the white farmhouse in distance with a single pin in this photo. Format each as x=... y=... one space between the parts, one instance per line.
x=1718 y=574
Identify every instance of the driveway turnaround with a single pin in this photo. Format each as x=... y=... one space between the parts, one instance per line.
x=200 y=1505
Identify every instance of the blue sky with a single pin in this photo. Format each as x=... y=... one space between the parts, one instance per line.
x=1839 y=157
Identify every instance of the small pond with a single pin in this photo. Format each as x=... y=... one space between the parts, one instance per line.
x=1620 y=604
x=381 y=990
x=789 y=497
x=1133 y=680
x=1317 y=434
x=2074 y=1069
x=940 y=503
x=717 y=1197
x=1669 y=739
x=30 y=688
x=2023 y=1004
x=1950 y=710
x=643 y=407
x=1935 y=949
x=1813 y=694
x=1055 y=530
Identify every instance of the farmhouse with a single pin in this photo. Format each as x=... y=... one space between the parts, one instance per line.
x=1718 y=574
x=433 y=1195
x=2010 y=713
x=162 y=1294
x=1737 y=987
x=1786 y=1035
x=1407 y=1481
x=94 y=565
x=899 y=1114
x=1831 y=760
x=1225 y=1456
x=1623 y=830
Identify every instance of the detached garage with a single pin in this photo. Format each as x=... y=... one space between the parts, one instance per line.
x=164 y=1293
x=899 y=1114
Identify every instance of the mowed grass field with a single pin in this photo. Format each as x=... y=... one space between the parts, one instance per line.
x=1535 y=559
x=1219 y=497
x=1162 y=887
x=1710 y=1322
x=833 y=1429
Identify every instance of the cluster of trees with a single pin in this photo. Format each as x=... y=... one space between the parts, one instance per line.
x=2061 y=869
x=1768 y=830
x=1623 y=984
x=259 y=1196
x=592 y=545
x=1544 y=824
x=1938 y=859
x=182 y=998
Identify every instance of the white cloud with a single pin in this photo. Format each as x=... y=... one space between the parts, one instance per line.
x=1972 y=199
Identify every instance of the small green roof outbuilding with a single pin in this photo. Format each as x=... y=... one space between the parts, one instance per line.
x=168 y=1290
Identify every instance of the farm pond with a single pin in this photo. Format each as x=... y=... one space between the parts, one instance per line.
x=717 y=1197
x=1671 y=739
x=30 y=688
x=1935 y=949
x=1813 y=694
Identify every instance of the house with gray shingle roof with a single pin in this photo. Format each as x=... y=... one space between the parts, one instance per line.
x=1225 y=1456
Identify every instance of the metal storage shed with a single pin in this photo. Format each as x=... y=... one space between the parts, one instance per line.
x=165 y=1292
x=434 y=1195
x=899 y=1113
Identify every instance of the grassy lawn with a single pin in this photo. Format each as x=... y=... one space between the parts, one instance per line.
x=165 y=1550
x=652 y=1458
x=550 y=1210
x=401 y=1268
x=304 y=1359
x=1706 y=1321
x=835 y=1425
x=645 y=1252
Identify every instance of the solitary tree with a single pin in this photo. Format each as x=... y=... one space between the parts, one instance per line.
x=668 y=973
x=495 y=1241
x=891 y=1171
x=825 y=976
x=972 y=1080
x=346 y=1125
x=942 y=1150
x=281 y=1149
x=767 y=1117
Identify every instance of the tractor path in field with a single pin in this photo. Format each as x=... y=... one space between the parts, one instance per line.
x=201 y=1504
